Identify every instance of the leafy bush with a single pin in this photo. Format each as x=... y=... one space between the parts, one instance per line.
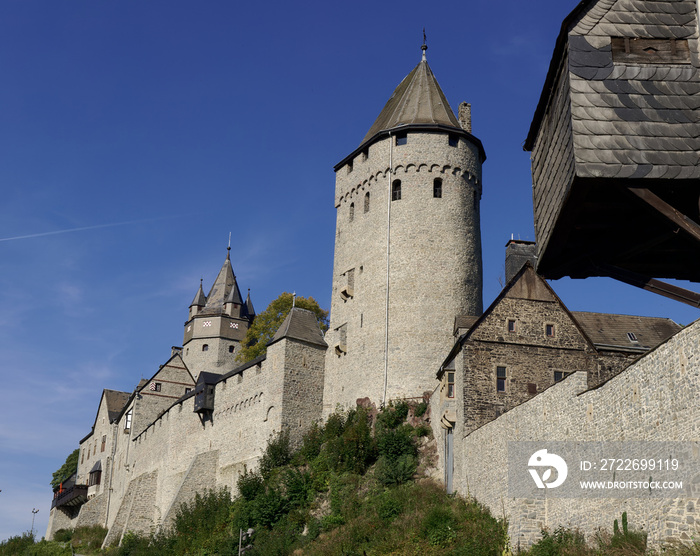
x=269 y=507
x=392 y=416
x=277 y=453
x=16 y=545
x=63 y=535
x=397 y=471
x=420 y=409
x=250 y=485
x=394 y=443
x=298 y=487
x=560 y=542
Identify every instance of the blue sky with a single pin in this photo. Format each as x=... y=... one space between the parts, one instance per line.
x=135 y=135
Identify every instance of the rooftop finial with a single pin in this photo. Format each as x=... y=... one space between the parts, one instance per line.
x=424 y=46
x=228 y=249
x=294 y=300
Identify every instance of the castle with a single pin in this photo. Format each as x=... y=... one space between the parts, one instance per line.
x=407 y=319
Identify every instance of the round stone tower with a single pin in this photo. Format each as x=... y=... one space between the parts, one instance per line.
x=407 y=248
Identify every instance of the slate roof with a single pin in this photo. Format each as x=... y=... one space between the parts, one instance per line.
x=115 y=401
x=629 y=120
x=609 y=330
x=250 y=311
x=417 y=100
x=200 y=300
x=300 y=324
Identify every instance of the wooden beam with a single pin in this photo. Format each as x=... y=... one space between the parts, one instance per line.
x=651 y=284
x=674 y=215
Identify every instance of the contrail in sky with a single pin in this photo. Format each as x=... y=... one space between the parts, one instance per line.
x=98 y=226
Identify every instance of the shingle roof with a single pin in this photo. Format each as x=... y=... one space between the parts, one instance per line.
x=629 y=120
x=200 y=300
x=417 y=100
x=250 y=311
x=609 y=330
x=300 y=324
x=115 y=401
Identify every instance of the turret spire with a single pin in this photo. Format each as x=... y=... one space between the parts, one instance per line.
x=424 y=46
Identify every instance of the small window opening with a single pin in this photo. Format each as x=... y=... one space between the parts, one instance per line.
x=365 y=155
x=352 y=211
x=104 y=443
x=230 y=349
x=367 y=202
x=437 y=188
x=560 y=375
x=205 y=347
x=401 y=139
x=451 y=385
x=632 y=337
x=549 y=330
x=531 y=388
x=511 y=325
x=188 y=390
x=349 y=167
x=396 y=190
x=453 y=140
x=501 y=379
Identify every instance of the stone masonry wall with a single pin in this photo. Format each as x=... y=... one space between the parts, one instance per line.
x=435 y=269
x=182 y=452
x=654 y=399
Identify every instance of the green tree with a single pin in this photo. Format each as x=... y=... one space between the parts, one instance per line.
x=266 y=324
x=66 y=470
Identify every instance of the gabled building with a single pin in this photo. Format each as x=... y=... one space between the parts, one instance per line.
x=525 y=342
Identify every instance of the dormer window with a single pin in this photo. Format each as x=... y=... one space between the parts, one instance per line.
x=632 y=337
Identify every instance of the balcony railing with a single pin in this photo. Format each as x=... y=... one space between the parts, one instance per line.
x=71 y=497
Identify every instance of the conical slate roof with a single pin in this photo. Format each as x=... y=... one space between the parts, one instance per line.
x=250 y=311
x=200 y=300
x=417 y=100
x=234 y=295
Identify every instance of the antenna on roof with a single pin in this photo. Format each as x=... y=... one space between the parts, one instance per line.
x=424 y=46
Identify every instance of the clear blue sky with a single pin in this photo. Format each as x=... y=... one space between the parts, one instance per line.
x=135 y=135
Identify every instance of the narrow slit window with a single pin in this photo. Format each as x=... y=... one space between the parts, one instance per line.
x=549 y=330
x=501 y=379
x=511 y=325
x=367 y=202
x=352 y=211
x=437 y=188
x=450 y=385
x=396 y=190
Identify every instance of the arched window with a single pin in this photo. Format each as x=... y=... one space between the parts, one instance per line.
x=437 y=188
x=205 y=347
x=367 y=202
x=396 y=190
x=352 y=211
x=230 y=349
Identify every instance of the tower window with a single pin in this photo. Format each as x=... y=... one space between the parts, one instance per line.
x=349 y=167
x=437 y=188
x=453 y=140
x=367 y=202
x=104 y=443
x=549 y=330
x=365 y=154
x=396 y=190
x=501 y=379
x=352 y=211
x=205 y=347
x=560 y=375
x=511 y=325
x=401 y=139
x=230 y=349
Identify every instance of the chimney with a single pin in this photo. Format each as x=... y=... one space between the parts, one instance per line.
x=465 y=116
x=518 y=252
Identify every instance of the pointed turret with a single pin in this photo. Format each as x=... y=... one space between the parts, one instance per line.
x=217 y=324
x=250 y=311
x=199 y=301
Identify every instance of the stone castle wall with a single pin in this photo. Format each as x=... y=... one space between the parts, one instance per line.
x=179 y=454
x=655 y=399
x=435 y=265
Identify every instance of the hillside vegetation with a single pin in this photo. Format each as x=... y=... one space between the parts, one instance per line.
x=356 y=486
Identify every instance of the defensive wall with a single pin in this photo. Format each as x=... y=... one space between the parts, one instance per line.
x=655 y=399
x=180 y=454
